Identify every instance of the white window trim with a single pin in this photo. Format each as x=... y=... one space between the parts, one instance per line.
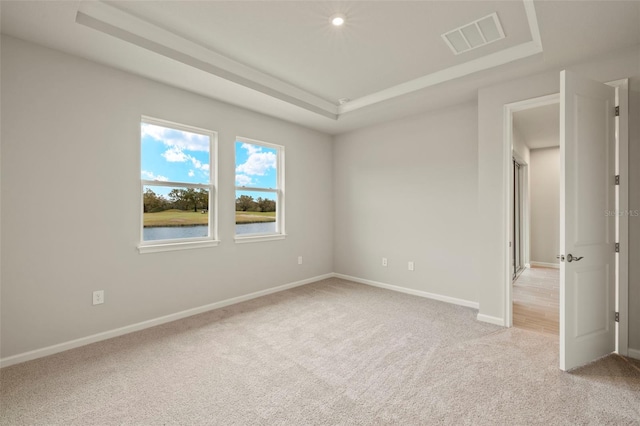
x=155 y=246
x=280 y=233
x=256 y=238
x=176 y=245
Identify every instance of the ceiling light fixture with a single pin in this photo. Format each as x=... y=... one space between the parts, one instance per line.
x=338 y=19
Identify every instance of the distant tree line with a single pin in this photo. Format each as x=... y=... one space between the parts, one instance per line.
x=198 y=199
x=246 y=203
x=181 y=199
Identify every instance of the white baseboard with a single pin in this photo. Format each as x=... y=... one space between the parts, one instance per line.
x=490 y=319
x=633 y=353
x=453 y=300
x=60 y=347
x=546 y=265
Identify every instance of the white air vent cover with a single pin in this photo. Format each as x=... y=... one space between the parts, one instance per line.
x=476 y=34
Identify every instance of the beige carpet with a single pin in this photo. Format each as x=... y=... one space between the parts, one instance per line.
x=332 y=352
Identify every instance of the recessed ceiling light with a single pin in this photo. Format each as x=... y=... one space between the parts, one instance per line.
x=338 y=19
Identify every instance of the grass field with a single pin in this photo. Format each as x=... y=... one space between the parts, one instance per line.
x=255 y=217
x=175 y=217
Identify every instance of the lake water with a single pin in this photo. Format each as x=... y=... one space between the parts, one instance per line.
x=256 y=228
x=175 y=232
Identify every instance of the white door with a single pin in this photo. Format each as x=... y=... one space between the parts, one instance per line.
x=587 y=221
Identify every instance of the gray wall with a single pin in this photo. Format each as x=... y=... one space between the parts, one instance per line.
x=71 y=202
x=427 y=188
x=545 y=204
x=406 y=190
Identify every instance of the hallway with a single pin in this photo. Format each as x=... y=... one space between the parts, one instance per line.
x=536 y=298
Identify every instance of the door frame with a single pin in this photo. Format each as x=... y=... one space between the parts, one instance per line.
x=622 y=203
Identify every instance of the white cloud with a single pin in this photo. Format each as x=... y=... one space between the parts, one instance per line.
x=196 y=163
x=243 y=180
x=175 y=155
x=150 y=176
x=258 y=163
x=179 y=145
x=251 y=149
x=176 y=138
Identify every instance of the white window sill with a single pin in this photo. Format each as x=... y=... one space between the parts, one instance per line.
x=186 y=245
x=257 y=238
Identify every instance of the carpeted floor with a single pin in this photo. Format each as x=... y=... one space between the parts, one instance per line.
x=332 y=352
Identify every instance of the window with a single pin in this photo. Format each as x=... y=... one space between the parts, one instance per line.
x=259 y=191
x=178 y=186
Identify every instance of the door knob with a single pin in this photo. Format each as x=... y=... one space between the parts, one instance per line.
x=571 y=258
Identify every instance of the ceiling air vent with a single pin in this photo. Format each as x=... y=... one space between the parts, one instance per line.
x=476 y=34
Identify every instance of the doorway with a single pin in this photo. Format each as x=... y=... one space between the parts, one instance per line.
x=620 y=126
x=535 y=218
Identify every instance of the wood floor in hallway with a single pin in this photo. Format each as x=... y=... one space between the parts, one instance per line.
x=536 y=300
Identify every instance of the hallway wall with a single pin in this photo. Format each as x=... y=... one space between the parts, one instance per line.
x=545 y=205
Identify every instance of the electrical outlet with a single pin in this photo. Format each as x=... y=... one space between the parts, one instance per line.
x=384 y=261
x=410 y=266
x=299 y=260
x=98 y=297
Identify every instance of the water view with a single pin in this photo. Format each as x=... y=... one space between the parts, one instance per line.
x=256 y=228
x=173 y=232
x=176 y=232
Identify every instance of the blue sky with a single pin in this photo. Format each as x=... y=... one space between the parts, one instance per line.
x=174 y=155
x=181 y=156
x=256 y=166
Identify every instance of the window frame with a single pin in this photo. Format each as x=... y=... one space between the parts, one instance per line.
x=280 y=233
x=154 y=246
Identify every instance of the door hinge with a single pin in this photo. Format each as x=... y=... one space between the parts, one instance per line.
x=617 y=316
x=617 y=111
x=617 y=179
x=617 y=247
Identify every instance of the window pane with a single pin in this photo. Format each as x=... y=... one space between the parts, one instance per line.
x=174 y=213
x=256 y=166
x=174 y=155
x=256 y=212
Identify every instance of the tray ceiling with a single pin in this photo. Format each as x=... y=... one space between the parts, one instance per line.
x=381 y=45
x=290 y=50
x=286 y=59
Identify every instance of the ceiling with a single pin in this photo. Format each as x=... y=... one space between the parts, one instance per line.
x=539 y=127
x=285 y=59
